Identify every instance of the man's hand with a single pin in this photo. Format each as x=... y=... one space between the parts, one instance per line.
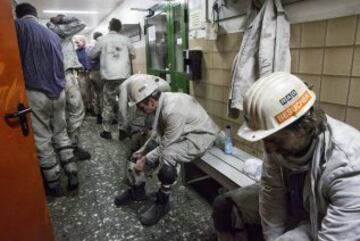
x=137 y=155
x=140 y=164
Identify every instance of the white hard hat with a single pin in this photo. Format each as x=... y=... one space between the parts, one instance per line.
x=141 y=87
x=162 y=85
x=272 y=103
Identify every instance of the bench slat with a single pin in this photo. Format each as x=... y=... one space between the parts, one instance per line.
x=236 y=163
x=232 y=171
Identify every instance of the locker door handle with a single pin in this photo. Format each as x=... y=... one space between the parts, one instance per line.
x=21 y=116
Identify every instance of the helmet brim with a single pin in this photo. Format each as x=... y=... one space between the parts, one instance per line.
x=249 y=134
x=131 y=103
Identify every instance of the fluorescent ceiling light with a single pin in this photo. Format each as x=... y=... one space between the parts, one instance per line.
x=70 y=11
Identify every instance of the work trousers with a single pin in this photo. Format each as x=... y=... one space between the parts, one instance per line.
x=49 y=126
x=75 y=112
x=244 y=217
x=169 y=164
x=85 y=88
x=190 y=148
x=97 y=86
x=111 y=91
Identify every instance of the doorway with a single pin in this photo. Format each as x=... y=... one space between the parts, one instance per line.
x=166 y=39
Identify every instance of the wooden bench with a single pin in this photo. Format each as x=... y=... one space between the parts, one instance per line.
x=226 y=170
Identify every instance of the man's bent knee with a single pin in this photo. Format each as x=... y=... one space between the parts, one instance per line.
x=222 y=209
x=167 y=174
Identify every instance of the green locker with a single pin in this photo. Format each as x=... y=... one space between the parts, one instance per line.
x=166 y=38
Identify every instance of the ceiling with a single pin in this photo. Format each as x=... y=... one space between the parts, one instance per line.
x=104 y=8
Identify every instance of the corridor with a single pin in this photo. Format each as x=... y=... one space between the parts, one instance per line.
x=90 y=214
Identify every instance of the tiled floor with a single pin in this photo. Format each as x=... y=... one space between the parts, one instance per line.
x=90 y=215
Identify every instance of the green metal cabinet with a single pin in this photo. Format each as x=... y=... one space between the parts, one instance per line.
x=166 y=38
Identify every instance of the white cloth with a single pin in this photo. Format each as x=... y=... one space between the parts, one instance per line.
x=115 y=51
x=186 y=131
x=334 y=196
x=264 y=50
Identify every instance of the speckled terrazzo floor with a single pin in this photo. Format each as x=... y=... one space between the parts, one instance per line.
x=89 y=214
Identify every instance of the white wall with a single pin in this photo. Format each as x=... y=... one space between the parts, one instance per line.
x=128 y=16
x=303 y=11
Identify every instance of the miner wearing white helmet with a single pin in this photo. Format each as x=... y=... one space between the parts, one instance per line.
x=186 y=132
x=134 y=123
x=131 y=120
x=311 y=172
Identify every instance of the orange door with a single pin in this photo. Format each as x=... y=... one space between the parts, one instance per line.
x=23 y=209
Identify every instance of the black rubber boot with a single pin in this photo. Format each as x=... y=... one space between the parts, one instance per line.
x=73 y=181
x=89 y=112
x=56 y=191
x=135 y=193
x=98 y=119
x=81 y=154
x=123 y=135
x=106 y=135
x=222 y=214
x=157 y=211
x=71 y=172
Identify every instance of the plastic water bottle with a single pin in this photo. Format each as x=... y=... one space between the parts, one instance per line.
x=228 y=148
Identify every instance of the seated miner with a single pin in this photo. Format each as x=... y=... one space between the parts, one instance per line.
x=185 y=133
x=135 y=128
x=311 y=171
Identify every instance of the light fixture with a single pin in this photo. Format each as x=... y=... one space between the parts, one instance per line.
x=70 y=11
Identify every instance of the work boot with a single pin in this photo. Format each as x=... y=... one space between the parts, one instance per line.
x=56 y=191
x=73 y=181
x=123 y=135
x=134 y=193
x=98 y=119
x=81 y=154
x=71 y=172
x=106 y=135
x=89 y=112
x=158 y=210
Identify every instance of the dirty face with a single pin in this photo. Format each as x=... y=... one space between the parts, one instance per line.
x=288 y=142
x=147 y=107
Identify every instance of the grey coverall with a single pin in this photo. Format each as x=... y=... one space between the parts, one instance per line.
x=75 y=112
x=115 y=51
x=331 y=194
x=264 y=49
x=184 y=130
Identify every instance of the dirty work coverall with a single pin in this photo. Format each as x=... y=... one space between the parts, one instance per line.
x=184 y=129
x=115 y=51
x=75 y=112
x=97 y=86
x=330 y=191
x=264 y=49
